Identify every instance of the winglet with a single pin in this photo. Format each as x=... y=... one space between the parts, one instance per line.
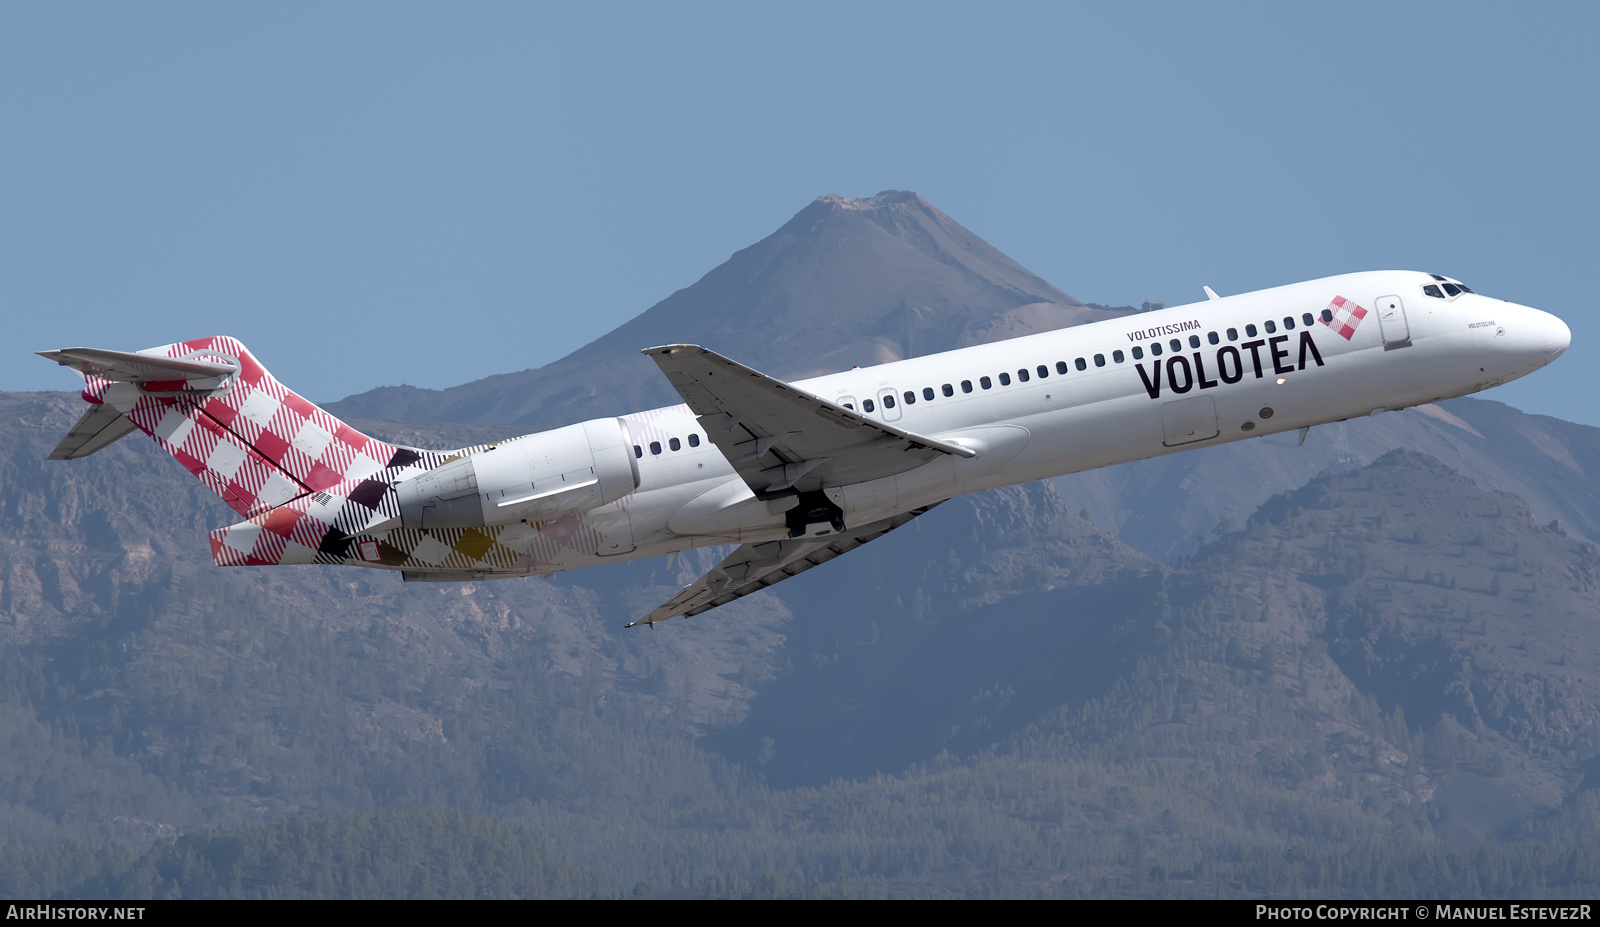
x=1210 y=293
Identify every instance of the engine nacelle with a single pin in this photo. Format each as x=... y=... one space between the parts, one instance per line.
x=533 y=478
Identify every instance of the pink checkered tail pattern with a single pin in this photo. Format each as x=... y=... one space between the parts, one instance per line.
x=304 y=480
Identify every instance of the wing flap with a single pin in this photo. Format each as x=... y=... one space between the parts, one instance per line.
x=780 y=437
x=754 y=567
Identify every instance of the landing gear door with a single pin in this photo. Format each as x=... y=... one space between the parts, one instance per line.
x=1392 y=322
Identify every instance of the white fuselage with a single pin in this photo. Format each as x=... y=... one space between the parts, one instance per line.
x=1133 y=387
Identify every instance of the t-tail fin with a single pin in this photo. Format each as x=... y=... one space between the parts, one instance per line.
x=212 y=406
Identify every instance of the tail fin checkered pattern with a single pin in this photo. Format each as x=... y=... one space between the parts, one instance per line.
x=254 y=442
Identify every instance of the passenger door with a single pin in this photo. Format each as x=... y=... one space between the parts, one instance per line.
x=1392 y=322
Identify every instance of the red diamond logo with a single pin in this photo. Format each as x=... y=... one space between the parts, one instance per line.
x=1343 y=315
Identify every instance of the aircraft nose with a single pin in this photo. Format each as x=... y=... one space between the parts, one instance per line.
x=1558 y=335
x=1528 y=339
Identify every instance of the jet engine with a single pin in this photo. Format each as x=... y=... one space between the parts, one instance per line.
x=537 y=477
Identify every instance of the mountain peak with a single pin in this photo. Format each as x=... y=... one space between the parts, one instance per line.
x=845 y=282
x=884 y=198
x=903 y=214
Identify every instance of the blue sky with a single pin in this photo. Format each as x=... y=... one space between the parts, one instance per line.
x=381 y=193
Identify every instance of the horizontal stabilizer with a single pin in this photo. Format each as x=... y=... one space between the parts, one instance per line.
x=99 y=427
x=129 y=367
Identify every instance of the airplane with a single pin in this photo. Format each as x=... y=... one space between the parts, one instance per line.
x=797 y=473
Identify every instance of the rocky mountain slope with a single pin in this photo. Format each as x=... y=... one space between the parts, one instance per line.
x=1167 y=506
x=1391 y=652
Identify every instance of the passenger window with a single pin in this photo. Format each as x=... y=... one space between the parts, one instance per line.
x=1099 y=360
x=1249 y=331
x=888 y=400
x=851 y=406
x=1061 y=367
x=948 y=390
x=1233 y=334
x=1043 y=371
x=1212 y=337
x=1155 y=349
x=966 y=386
x=1005 y=379
x=1022 y=375
x=675 y=444
x=1138 y=353
x=1288 y=323
x=1271 y=328
x=655 y=447
x=911 y=398
x=1194 y=341
x=867 y=406
x=1327 y=316
x=694 y=440
x=1081 y=364
x=638 y=451
x=1116 y=356
x=927 y=392
x=1307 y=319
x=984 y=382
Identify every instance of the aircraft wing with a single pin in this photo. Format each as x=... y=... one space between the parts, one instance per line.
x=98 y=428
x=778 y=437
x=754 y=567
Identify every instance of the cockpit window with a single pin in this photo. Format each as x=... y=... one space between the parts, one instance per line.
x=1445 y=288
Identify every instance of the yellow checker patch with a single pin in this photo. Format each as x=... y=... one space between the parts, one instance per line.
x=474 y=544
